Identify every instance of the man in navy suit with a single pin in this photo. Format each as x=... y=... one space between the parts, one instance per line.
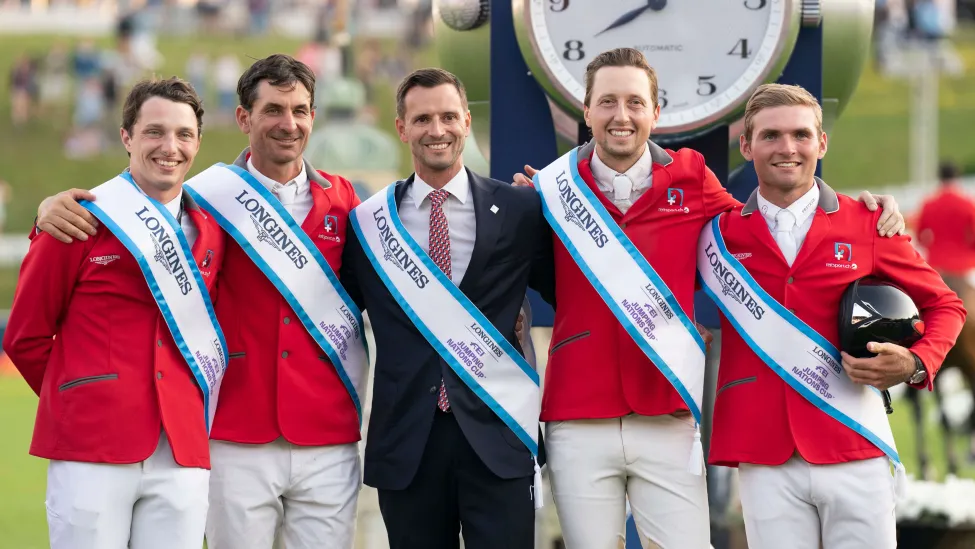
x=439 y=456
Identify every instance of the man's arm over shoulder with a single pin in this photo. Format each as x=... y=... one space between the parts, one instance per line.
x=542 y=274
x=896 y=260
x=716 y=198
x=47 y=280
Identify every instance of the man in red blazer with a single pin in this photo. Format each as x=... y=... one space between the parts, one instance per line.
x=616 y=428
x=121 y=416
x=946 y=226
x=809 y=480
x=285 y=439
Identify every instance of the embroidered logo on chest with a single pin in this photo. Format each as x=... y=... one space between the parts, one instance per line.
x=842 y=257
x=741 y=255
x=330 y=229
x=104 y=259
x=675 y=201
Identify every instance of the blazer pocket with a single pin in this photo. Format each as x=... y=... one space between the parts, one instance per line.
x=568 y=340
x=237 y=355
x=736 y=382
x=84 y=380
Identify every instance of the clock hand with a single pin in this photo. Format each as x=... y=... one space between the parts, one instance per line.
x=655 y=5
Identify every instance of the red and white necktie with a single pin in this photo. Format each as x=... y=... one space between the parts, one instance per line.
x=440 y=254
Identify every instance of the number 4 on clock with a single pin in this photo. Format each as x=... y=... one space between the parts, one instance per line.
x=741 y=49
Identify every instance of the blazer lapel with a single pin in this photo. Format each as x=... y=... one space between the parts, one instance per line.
x=817 y=232
x=321 y=203
x=488 y=227
x=759 y=229
x=658 y=187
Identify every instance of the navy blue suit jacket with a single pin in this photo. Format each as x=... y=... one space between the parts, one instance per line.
x=511 y=246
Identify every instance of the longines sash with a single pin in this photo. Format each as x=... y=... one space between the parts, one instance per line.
x=626 y=282
x=460 y=333
x=803 y=358
x=155 y=239
x=272 y=239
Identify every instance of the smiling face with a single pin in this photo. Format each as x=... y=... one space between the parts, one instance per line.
x=621 y=114
x=278 y=126
x=785 y=145
x=162 y=144
x=436 y=124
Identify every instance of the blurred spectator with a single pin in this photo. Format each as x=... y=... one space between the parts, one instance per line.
x=23 y=83
x=55 y=77
x=197 y=67
x=6 y=192
x=260 y=15
x=226 y=74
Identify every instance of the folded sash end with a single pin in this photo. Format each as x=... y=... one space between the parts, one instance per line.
x=695 y=465
x=537 y=488
x=900 y=481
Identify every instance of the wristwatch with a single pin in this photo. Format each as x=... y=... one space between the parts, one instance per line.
x=920 y=374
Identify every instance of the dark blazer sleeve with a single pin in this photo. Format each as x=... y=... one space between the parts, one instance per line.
x=542 y=277
x=347 y=273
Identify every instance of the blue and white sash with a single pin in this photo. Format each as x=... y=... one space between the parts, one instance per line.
x=269 y=235
x=626 y=282
x=155 y=239
x=460 y=333
x=799 y=355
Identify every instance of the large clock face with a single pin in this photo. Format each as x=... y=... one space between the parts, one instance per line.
x=708 y=54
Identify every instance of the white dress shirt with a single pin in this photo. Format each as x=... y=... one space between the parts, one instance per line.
x=189 y=229
x=414 y=211
x=801 y=212
x=638 y=179
x=295 y=195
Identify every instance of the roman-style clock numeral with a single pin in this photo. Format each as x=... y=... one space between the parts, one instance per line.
x=558 y=5
x=704 y=85
x=573 y=50
x=755 y=4
x=741 y=49
x=662 y=98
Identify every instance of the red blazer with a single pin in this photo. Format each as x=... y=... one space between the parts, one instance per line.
x=88 y=337
x=757 y=417
x=279 y=381
x=946 y=229
x=595 y=369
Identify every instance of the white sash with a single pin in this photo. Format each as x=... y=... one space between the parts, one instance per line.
x=799 y=355
x=155 y=239
x=269 y=235
x=626 y=282
x=460 y=333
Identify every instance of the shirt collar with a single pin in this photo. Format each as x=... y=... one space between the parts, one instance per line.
x=459 y=187
x=301 y=180
x=173 y=205
x=802 y=208
x=638 y=172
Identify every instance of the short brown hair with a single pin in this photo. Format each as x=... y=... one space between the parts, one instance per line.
x=279 y=70
x=427 y=78
x=620 y=57
x=174 y=89
x=768 y=96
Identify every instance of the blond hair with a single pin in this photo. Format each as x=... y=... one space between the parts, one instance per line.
x=620 y=57
x=768 y=96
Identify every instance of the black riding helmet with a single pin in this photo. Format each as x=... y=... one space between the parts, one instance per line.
x=875 y=310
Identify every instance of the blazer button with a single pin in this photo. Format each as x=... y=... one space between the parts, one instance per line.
x=284 y=354
x=286 y=320
x=793 y=311
x=622 y=225
x=158 y=375
x=789 y=281
x=158 y=343
x=433 y=389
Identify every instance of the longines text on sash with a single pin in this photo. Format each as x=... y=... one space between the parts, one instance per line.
x=174 y=266
x=275 y=232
